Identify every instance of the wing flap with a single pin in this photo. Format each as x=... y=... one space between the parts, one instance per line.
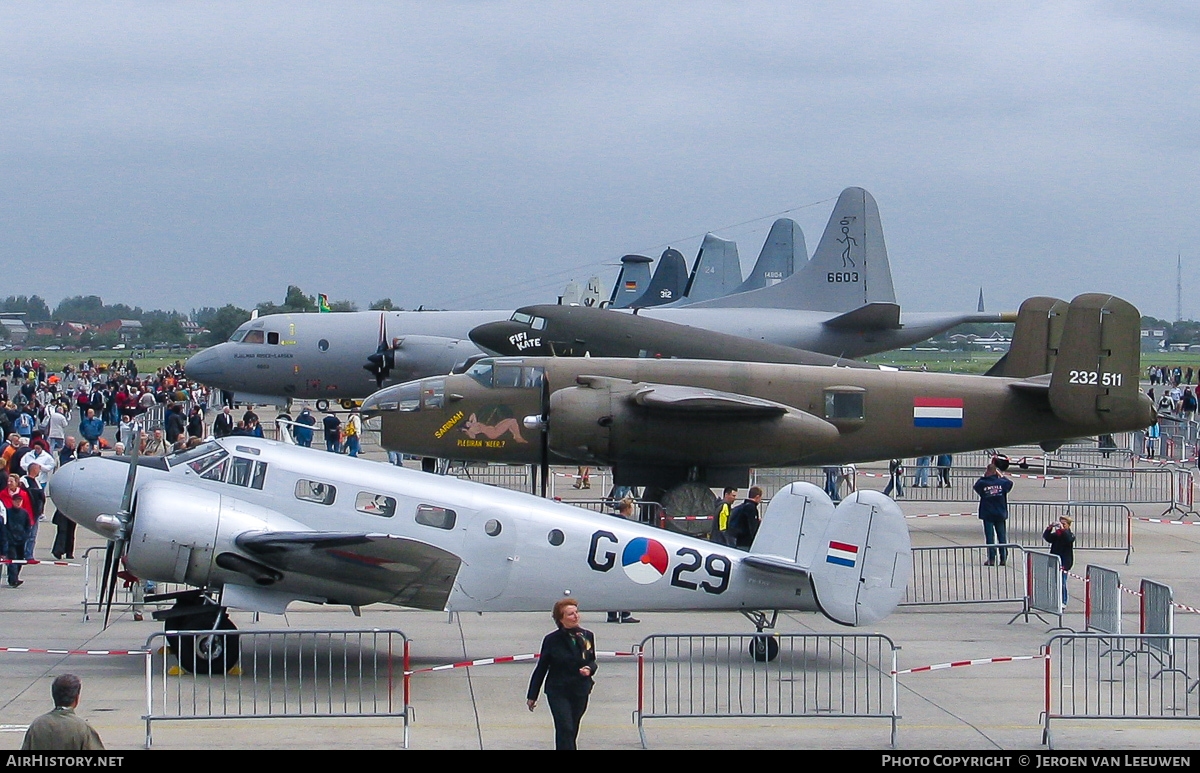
x=410 y=572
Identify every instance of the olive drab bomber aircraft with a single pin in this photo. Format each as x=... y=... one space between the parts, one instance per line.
x=841 y=303
x=255 y=524
x=1072 y=371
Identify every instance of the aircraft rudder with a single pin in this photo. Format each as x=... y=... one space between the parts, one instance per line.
x=631 y=281
x=1095 y=376
x=1035 y=338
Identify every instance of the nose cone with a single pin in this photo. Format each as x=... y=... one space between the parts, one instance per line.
x=508 y=338
x=208 y=366
x=87 y=488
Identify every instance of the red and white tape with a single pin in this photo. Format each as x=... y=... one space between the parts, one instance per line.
x=939 y=515
x=31 y=650
x=505 y=659
x=35 y=562
x=959 y=663
x=1164 y=520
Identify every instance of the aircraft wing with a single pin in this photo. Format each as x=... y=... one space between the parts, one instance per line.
x=872 y=316
x=685 y=399
x=416 y=574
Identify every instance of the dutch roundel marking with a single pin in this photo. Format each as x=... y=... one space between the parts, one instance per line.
x=937 y=412
x=644 y=560
x=842 y=554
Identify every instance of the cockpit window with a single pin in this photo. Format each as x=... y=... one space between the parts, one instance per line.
x=273 y=338
x=523 y=318
x=507 y=376
x=538 y=323
x=237 y=336
x=198 y=454
x=253 y=337
x=482 y=372
x=247 y=472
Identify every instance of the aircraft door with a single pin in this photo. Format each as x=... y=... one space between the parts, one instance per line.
x=489 y=552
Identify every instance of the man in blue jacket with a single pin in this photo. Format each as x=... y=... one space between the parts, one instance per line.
x=91 y=428
x=993 y=490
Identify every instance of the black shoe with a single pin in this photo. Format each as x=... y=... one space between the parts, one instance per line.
x=57 y=557
x=1003 y=563
x=989 y=563
x=612 y=618
x=630 y=619
x=16 y=584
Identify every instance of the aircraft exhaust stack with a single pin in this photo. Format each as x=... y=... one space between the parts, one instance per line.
x=858 y=552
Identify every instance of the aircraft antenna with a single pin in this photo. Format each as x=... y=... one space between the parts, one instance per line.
x=1178 y=287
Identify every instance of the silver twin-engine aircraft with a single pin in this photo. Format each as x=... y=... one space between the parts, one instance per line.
x=255 y=524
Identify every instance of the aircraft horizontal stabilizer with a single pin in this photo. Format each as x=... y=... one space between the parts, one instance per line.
x=405 y=571
x=872 y=316
x=857 y=552
x=670 y=397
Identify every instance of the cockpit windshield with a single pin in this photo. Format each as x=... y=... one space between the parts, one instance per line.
x=255 y=335
x=199 y=458
x=537 y=323
x=506 y=374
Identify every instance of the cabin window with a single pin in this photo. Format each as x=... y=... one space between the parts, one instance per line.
x=437 y=517
x=482 y=372
x=247 y=472
x=375 y=504
x=493 y=527
x=507 y=376
x=315 y=491
x=845 y=405
x=273 y=338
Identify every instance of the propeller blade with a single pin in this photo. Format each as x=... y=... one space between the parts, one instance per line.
x=116 y=546
x=107 y=585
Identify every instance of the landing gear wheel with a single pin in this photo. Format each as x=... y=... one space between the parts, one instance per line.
x=691 y=499
x=348 y=404
x=764 y=648
x=322 y=405
x=211 y=653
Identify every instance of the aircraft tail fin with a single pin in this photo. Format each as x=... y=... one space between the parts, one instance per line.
x=717 y=270
x=666 y=286
x=782 y=254
x=1095 y=377
x=857 y=553
x=1036 y=339
x=848 y=269
x=631 y=282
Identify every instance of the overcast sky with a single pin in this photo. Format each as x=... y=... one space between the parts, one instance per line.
x=478 y=155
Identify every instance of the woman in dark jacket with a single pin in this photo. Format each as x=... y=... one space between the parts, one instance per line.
x=1062 y=544
x=567 y=665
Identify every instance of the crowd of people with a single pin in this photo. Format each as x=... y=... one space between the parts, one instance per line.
x=38 y=409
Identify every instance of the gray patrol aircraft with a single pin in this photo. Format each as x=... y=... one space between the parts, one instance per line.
x=255 y=524
x=841 y=303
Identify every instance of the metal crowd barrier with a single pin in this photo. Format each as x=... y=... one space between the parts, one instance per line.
x=1085 y=678
x=1044 y=579
x=1097 y=526
x=1127 y=486
x=728 y=675
x=646 y=510
x=281 y=674
x=1102 y=603
x=957 y=575
x=126 y=596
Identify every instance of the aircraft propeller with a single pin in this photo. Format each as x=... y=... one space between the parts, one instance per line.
x=380 y=363
x=545 y=435
x=122 y=526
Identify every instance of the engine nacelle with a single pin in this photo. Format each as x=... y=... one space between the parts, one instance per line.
x=179 y=530
x=417 y=356
x=614 y=421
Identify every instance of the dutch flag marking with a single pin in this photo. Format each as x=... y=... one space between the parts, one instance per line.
x=937 y=412
x=842 y=554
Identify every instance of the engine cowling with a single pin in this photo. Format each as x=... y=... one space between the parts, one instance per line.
x=614 y=421
x=178 y=531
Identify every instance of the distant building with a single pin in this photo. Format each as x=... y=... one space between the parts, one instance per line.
x=126 y=329
x=14 y=326
x=1154 y=339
